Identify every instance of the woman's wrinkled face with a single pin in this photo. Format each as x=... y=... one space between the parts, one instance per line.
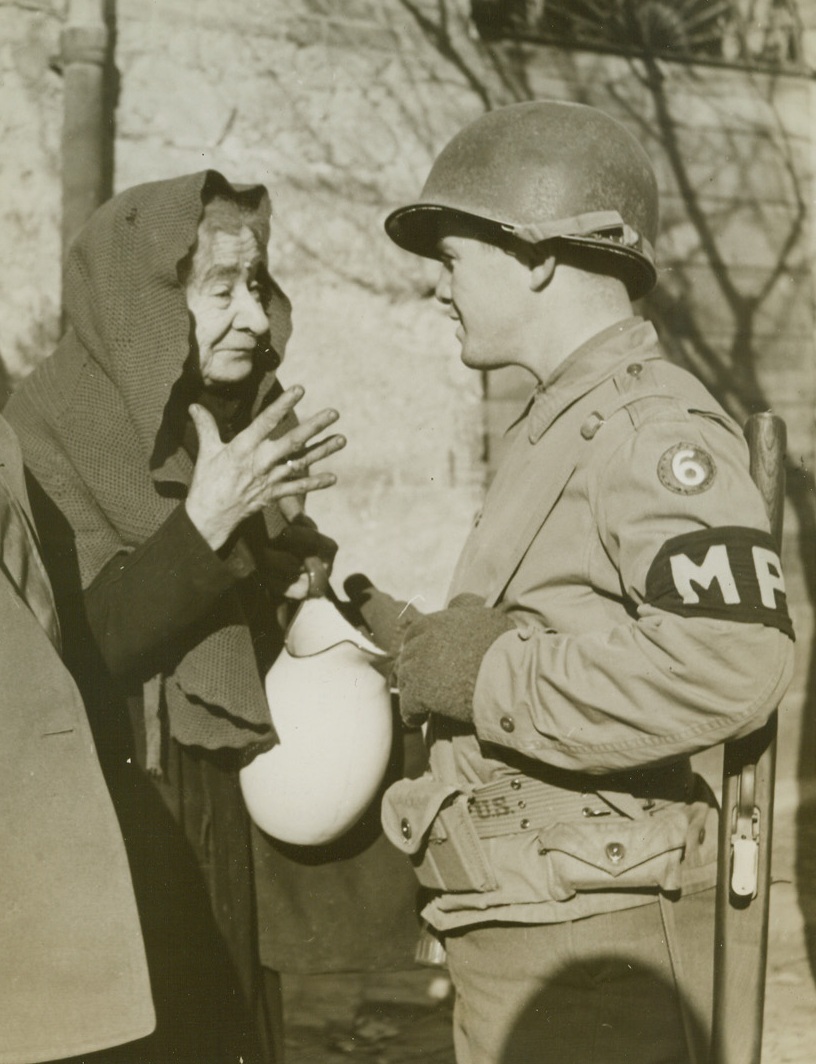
x=224 y=297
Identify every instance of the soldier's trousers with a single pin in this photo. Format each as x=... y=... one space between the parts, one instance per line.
x=603 y=990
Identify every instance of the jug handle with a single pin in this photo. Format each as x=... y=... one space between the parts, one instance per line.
x=318 y=577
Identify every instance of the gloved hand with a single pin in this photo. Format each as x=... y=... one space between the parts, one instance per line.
x=302 y=539
x=283 y=556
x=441 y=656
x=385 y=617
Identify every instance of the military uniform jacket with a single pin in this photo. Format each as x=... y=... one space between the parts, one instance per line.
x=624 y=536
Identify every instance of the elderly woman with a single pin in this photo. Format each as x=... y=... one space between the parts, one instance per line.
x=168 y=472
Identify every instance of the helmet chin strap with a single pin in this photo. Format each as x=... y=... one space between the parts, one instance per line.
x=578 y=225
x=603 y=226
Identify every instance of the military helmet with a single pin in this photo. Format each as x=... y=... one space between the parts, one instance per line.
x=539 y=171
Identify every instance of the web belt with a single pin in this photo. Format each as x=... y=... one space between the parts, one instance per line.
x=519 y=803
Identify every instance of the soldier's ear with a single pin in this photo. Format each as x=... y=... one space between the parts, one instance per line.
x=541 y=273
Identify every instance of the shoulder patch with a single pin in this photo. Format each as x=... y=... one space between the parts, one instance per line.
x=686 y=469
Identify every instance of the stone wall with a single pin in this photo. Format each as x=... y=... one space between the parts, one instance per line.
x=339 y=107
x=30 y=126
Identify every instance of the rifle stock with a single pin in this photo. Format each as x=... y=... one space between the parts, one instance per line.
x=746 y=824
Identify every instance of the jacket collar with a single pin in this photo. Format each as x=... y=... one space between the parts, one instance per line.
x=595 y=361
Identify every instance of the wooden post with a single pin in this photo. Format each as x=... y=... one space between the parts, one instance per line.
x=85 y=152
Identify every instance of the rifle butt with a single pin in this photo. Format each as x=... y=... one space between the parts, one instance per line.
x=749 y=771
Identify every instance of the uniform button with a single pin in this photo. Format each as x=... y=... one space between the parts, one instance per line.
x=635 y=369
x=615 y=852
x=507 y=724
x=590 y=427
x=525 y=824
x=405 y=828
x=515 y=784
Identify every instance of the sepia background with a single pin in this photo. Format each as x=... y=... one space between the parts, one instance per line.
x=339 y=107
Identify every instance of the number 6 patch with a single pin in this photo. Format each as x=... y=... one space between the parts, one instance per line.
x=686 y=469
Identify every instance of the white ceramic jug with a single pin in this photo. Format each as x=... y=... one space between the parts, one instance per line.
x=332 y=712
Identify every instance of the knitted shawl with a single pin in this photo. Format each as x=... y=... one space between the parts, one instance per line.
x=92 y=424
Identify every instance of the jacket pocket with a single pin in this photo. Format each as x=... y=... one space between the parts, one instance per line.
x=645 y=853
x=430 y=822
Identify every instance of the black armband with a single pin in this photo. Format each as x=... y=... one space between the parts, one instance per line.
x=730 y=574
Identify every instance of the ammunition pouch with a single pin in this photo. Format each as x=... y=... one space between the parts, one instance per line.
x=430 y=822
x=617 y=854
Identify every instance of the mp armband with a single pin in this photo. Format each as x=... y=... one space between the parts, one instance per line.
x=730 y=574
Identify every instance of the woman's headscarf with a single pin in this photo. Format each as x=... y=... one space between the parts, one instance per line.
x=92 y=421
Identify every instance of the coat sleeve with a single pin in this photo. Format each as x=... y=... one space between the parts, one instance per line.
x=143 y=600
x=670 y=504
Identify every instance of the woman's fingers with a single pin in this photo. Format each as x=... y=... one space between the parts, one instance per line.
x=297 y=438
x=293 y=453
x=289 y=475
x=269 y=418
x=300 y=461
x=300 y=486
x=261 y=469
x=209 y=439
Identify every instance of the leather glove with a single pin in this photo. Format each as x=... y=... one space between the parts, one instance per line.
x=441 y=656
x=385 y=617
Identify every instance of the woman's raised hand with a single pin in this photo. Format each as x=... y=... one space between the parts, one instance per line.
x=233 y=480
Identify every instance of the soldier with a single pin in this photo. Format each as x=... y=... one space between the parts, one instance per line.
x=618 y=606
